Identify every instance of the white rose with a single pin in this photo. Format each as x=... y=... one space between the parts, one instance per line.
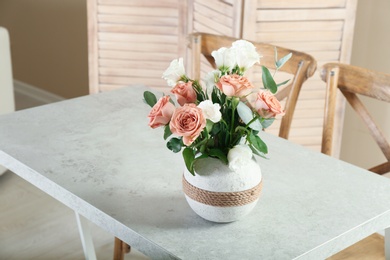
x=211 y=78
x=239 y=156
x=174 y=72
x=224 y=58
x=210 y=110
x=246 y=54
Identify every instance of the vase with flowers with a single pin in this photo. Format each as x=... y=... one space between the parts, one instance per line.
x=216 y=127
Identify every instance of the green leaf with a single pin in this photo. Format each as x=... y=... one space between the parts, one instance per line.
x=204 y=155
x=174 y=144
x=246 y=115
x=202 y=148
x=284 y=82
x=150 y=98
x=216 y=128
x=219 y=154
x=167 y=132
x=214 y=96
x=266 y=122
x=223 y=98
x=209 y=125
x=282 y=61
x=268 y=80
x=189 y=159
x=199 y=96
x=255 y=151
x=257 y=143
x=210 y=142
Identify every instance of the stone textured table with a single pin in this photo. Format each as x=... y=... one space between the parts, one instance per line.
x=97 y=155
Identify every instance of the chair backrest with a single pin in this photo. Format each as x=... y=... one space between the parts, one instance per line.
x=301 y=66
x=352 y=80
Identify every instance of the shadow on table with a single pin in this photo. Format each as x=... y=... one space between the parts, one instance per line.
x=166 y=212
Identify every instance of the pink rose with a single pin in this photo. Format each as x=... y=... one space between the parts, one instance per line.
x=267 y=105
x=184 y=93
x=234 y=85
x=188 y=121
x=161 y=112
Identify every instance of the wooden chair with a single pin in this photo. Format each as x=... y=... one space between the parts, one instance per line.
x=301 y=66
x=352 y=80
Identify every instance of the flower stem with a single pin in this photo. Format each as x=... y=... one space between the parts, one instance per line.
x=250 y=122
x=232 y=123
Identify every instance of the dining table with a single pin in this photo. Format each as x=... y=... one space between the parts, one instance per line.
x=97 y=155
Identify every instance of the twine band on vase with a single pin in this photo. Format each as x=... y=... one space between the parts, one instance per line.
x=222 y=199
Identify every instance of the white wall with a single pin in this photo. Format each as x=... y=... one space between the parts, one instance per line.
x=371 y=49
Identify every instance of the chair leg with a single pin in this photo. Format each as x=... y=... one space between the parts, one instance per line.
x=120 y=249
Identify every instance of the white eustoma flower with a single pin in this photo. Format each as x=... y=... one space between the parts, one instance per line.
x=246 y=54
x=224 y=58
x=211 y=78
x=211 y=111
x=174 y=72
x=239 y=156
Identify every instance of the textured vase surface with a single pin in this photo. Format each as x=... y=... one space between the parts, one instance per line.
x=218 y=194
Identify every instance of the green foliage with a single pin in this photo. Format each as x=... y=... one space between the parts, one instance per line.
x=282 y=61
x=167 y=132
x=214 y=97
x=209 y=125
x=266 y=122
x=216 y=129
x=189 y=159
x=175 y=144
x=268 y=80
x=255 y=151
x=257 y=143
x=219 y=154
x=150 y=98
x=246 y=115
x=279 y=63
x=282 y=83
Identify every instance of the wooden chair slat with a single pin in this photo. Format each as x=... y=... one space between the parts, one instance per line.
x=327 y=146
x=381 y=168
x=374 y=129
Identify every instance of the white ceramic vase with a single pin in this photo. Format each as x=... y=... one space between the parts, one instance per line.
x=218 y=194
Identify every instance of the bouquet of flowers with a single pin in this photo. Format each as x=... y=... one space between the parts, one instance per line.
x=218 y=120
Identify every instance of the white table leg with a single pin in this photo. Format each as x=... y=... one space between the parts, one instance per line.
x=387 y=243
x=86 y=239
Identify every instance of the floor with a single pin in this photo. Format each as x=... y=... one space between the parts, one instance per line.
x=33 y=225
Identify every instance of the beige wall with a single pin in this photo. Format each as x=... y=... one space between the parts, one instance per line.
x=48 y=43
x=371 y=49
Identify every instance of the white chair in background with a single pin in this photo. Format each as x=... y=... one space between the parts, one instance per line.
x=7 y=102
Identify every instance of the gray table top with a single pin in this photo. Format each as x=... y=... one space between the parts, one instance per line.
x=97 y=155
